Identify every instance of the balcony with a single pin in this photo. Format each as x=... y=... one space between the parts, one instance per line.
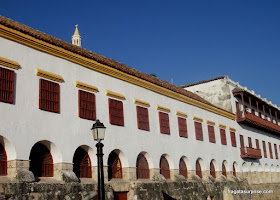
x=248 y=152
x=256 y=121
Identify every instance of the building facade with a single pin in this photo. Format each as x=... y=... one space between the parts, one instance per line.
x=51 y=93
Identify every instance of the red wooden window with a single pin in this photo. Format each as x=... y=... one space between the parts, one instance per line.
x=143 y=118
x=164 y=123
x=212 y=170
x=233 y=139
x=224 y=171
x=223 y=136
x=143 y=171
x=182 y=124
x=116 y=112
x=183 y=168
x=164 y=167
x=264 y=149
x=250 y=142
x=41 y=162
x=114 y=166
x=257 y=144
x=198 y=169
x=233 y=170
x=198 y=131
x=7 y=85
x=120 y=195
x=241 y=141
x=270 y=150
x=82 y=164
x=211 y=133
x=3 y=161
x=276 y=152
x=86 y=105
x=49 y=96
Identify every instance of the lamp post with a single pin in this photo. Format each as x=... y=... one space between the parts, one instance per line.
x=98 y=132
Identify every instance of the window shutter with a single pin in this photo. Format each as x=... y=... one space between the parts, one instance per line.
x=182 y=123
x=223 y=136
x=142 y=118
x=86 y=105
x=233 y=139
x=264 y=149
x=6 y=85
x=116 y=112
x=276 y=152
x=198 y=131
x=183 y=168
x=164 y=168
x=270 y=150
x=241 y=141
x=211 y=134
x=250 y=142
x=198 y=169
x=142 y=167
x=164 y=123
x=49 y=96
x=257 y=144
x=224 y=171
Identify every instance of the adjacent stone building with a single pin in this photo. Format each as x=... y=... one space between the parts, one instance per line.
x=161 y=141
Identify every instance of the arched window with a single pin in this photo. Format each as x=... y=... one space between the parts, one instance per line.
x=3 y=161
x=198 y=169
x=233 y=170
x=143 y=171
x=164 y=167
x=183 y=168
x=115 y=166
x=41 y=162
x=224 y=171
x=212 y=170
x=82 y=164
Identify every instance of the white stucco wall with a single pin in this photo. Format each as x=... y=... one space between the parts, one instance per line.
x=23 y=124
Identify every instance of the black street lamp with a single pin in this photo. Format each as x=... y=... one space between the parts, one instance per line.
x=98 y=132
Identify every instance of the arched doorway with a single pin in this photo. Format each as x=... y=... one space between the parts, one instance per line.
x=3 y=161
x=114 y=166
x=212 y=170
x=224 y=170
x=164 y=167
x=41 y=162
x=198 y=169
x=143 y=171
x=183 y=168
x=82 y=164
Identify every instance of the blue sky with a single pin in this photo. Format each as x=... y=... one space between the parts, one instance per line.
x=187 y=41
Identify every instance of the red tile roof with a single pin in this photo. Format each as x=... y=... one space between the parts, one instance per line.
x=98 y=58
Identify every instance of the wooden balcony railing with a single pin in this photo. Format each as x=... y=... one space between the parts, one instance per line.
x=253 y=120
x=247 y=152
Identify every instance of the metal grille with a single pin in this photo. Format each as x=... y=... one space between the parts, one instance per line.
x=143 y=171
x=183 y=130
x=224 y=171
x=115 y=166
x=86 y=105
x=164 y=168
x=198 y=169
x=212 y=170
x=3 y=161
x=183 y=168
x=49 y=96
x=164 y=123
x=6 y=85
x=143 y=118
x=116 y=112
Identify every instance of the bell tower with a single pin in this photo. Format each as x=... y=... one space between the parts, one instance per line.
x=76 y=38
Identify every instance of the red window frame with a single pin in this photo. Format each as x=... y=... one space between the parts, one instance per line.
x=198 y=169
x=233 y=139
x=276 y=152
x=164 y=167
x=223 y=136
x=116 y=112
x=7 y=85
x=198 y=130
x=142 y=118
x=250 y=142
x=164 y=123
x=143 y=171
x=182 y=124
x=257 y=144
x=87 y=105
x=264 y=149
x=212 y=170
x=211 y=134
x=183 y=168
x=49 y=96
x=224 y=170
x=270 y=150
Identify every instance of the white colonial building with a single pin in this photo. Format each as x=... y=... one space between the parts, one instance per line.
x=52 y=91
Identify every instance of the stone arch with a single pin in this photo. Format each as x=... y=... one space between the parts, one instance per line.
x=272 y=168
x=213 y=168
x=56 y=155
x=9 y=148
x=200 y=167
x=225 y=168
x=183 y=166
x=148 y=158
x=142 y=166
x=244 y=167
x=266 y=168
x=170 y=161
x=253 y=167
x=235 y=169
x=165 y=166
x=82 y=161
x=116 y=162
